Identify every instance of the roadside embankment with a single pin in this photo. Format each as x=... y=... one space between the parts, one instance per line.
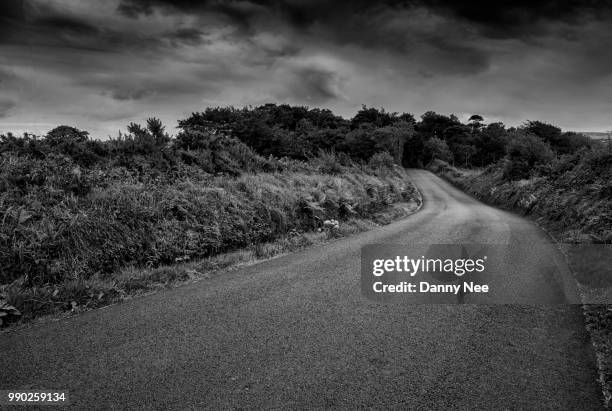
x=63 y=251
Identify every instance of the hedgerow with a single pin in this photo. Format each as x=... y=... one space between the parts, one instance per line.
x=77 y=214
x=571 y=196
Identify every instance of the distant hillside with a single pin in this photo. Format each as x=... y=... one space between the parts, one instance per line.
x=595 y=135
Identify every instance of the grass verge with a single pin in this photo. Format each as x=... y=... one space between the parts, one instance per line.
x=75 y=296
x=74 y=236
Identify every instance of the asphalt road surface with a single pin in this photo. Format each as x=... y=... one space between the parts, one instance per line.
x=296 y=332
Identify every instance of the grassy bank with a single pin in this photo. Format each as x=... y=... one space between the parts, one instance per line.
x=73 y=237
x=572 y=200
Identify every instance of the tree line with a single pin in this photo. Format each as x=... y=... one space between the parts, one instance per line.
x=225 y=139
x=299 y=132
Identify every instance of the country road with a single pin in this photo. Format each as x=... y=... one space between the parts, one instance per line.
x=296 y=332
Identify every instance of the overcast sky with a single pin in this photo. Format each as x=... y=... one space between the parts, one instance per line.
x=99 y=65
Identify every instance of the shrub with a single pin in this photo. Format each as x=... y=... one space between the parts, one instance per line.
x=60 y=222
x=381 y=160
x=66 y=135
x=525 y=152
x=328 y=162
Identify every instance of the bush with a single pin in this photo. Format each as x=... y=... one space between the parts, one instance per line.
x=59 y=221
x=75 y=211
x=525 y=152
x=571 y=197
x=328 y=162
x=381 y=160
x=66 y=135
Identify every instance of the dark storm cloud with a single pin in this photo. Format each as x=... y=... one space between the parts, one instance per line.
x=27 y=23
x=49 y=25
x=134 y=9
x=451 y=46
x=505 y=18
x=315 y=85
x=103 y=62
x=239 y=13
x=501 y=18
x=12 y=17
x=13 y=10
x=187 y=35
x=509 y=18
x=364 y=24
x=64 y=24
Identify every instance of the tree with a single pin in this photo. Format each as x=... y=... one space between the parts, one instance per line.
x=463 y=154
x=374 y=116
x=491 y=142
x=570 y=142
x=408 y=118
x=461 y=142
x=560 y=142
x=271 y=129
x=433 y=124
x=436 y=148
x=547 y=132
x=413 y=151
x=359 y=143
x=392 y=139
x=66 y=134
x=475 y=121
x=525 y=152
x=157 y=130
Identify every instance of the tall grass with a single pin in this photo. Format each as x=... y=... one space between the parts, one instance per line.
x=572 y=197
x=61 y=224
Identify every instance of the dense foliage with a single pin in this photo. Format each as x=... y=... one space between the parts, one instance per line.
x=299 y=132
x=230 y=141
x=72 y=207
x=570 y=194
x=76 y=209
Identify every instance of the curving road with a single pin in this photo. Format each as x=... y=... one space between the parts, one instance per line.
x=295 y=332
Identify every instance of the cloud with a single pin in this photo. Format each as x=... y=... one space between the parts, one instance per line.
x=5 y=107
x=312 y=85
x=134 y=9
x=357 y=20
x=133 y=94
x=104 y=63
x=239 y=14
x=66 y=25
x=7 y=77
x=520 y=18
x=411 y=30
x=186 y=35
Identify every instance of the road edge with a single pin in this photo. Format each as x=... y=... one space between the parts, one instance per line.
x=605 y=385
x=254 y=257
